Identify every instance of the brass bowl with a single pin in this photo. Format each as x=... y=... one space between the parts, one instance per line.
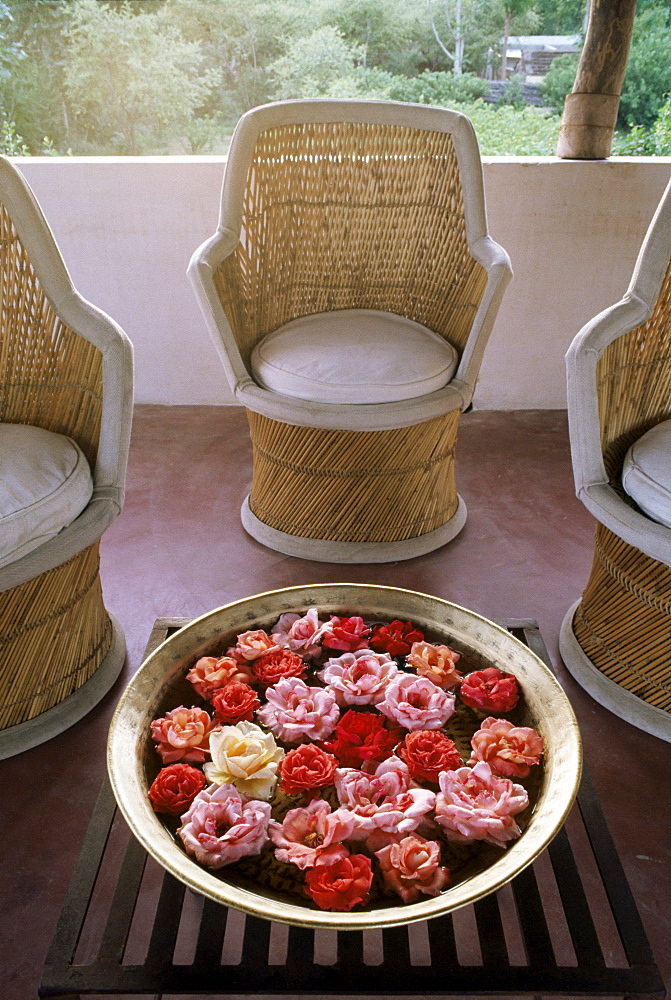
x=159 y=685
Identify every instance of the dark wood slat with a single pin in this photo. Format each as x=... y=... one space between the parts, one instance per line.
x=578 y=916
x=490 y=931
x=350 y=949
x=256 y=942
x=166 y=924
x=442 y=943
x=210 y=934
x=396 y=949
x=533 y=924
x=120 y=915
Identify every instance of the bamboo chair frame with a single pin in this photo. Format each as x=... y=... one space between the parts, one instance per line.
x=616 y=641
x=67 y=367
x=330 y=205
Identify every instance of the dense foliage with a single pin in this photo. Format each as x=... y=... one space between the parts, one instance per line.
x=159 y=76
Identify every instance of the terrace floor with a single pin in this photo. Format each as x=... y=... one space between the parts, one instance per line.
x=179 y=550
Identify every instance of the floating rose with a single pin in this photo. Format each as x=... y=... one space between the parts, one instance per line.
x=416 y=703
x=222 y=826
x=234 y=703
x=362 y=737
x=383 y=801
x=474 y=804
x=438 y=663
x=174 y=788
x=250 y=645
x=340 y=886
x=182 y=734
x=303 y=634
x=411 y=866
x=272 y=667
x=396 y=638
x=312 y=835
x=210 y=673
x=306 y=767
x=244 y=756
x=349 y=634
x=509 y=750
x=295 y=712
x=427 y=752
x=359 y=678
x=490 y=690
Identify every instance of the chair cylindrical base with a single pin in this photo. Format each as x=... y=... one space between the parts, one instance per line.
x=622 y=627
x=356 y=487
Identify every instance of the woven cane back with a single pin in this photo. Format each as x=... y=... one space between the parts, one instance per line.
x=54 y=630
x=346 y=216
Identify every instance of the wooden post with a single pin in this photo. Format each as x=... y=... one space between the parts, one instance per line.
x=590 y=111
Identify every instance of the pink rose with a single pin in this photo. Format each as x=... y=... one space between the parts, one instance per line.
x=474 y=804
x=412 y=866
x=359 y=678
x=345 y=633
x=490 y=690
x=222 y=826
x=251 y=645
x=438 y=663
x=509 y=750
x=302 y=635
x=383 y=801
x=210 y=673
x=295 y=712
x=312 y=835
x=183 y=734
x=342 y=885
x=416 y=703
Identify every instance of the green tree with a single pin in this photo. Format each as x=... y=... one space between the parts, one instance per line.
x=559 y=81
x=131 y=79
x=322 y=64
x=561 y=17
x=648 y=76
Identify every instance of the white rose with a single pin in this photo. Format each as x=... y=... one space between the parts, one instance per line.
x=244 y=756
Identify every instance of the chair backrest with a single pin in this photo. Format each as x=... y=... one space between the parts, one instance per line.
x=357 y=204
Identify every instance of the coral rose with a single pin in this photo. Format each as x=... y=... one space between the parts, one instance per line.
x=234 y=703
x=359 y=678
x=396 y=638
x=272 y=667
x=362 y=737
x=438 y=663
x=302 y=635
x=342 y=885
x=348 y=634
x=312 y=835
x=427 y=752
x=306 y=766
x=411 y=866
x=174 y=788
x=474 y=804
x=509 y=750
x=490 y=690
x=182 y=734
x=416 y=703
x=222 y=826
x=244 y=756
x=210 y=673
x=250 y=645
x=296 y=712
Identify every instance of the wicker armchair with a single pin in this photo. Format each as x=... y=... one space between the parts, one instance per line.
x=616 y=641
x=67 y=368
x=375 y=207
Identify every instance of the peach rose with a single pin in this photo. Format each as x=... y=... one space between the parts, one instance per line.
x=411 y=866
x=250 y=645
x=509 y=750
x=222 y=826
x=438 y=663
x=210 y=673
x=244 y=756
x=183 y=734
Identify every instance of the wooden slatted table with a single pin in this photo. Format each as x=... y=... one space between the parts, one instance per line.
x=565 y=926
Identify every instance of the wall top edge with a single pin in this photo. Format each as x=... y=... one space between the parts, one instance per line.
x=612 y=161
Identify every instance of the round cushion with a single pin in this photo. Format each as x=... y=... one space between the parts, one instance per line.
x=353 y=356
x=646 y=473
x=45 y=482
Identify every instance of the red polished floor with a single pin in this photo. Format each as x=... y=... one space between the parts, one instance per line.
x=179 y=550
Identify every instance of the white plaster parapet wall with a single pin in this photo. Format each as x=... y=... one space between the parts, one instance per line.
x=127 y=228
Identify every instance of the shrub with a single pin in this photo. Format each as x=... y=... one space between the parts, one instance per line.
x=559 y=81
x=440 y=88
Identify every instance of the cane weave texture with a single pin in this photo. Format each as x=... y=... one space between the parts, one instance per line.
x=351 y=216
x=354 y=486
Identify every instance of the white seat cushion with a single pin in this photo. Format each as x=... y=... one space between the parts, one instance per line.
x=646 y=473
x=45 y=482
x=353 y=356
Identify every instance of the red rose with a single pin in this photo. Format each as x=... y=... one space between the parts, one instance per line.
x=490 y=690
x=396 y=638
x=342 y=885
x=348 y=634
x=272 y=667
x=174 y=788
x=427 y=752
x=308 y=766
x=235 y=702
x=362 y=736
